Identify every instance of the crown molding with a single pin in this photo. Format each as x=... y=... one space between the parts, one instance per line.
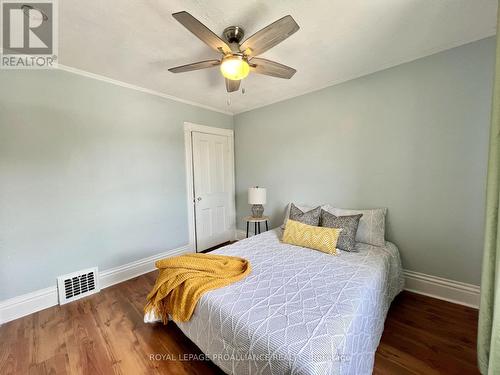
x=380 y=68
x=116 y=82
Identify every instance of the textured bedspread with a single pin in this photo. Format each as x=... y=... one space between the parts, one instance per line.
x=300 y=311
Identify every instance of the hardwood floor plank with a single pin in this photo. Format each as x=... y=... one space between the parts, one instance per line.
x=48 y=335
x=51 y=366
x=85 y=345
x=105 y=334
x=15 y=359
x=399 y=334
x=407 y=361
x=386 y=366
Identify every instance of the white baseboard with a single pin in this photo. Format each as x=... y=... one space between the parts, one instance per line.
x=432 y=286
x=445 y=289
x=28 y=303
x=242 y=234
x=17 y=307
x=428 y=285
x=139 y=267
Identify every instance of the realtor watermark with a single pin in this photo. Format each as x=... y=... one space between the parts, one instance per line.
x=29 y=34
x=234 y=356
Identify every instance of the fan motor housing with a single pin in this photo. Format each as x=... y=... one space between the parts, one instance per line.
x=233 y=34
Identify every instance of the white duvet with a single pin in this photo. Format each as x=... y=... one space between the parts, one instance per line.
x=300 y=311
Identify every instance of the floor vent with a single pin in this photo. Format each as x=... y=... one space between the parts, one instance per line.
x=77 y=285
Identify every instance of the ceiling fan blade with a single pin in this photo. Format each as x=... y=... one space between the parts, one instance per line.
x=271 y=68
x=195 y=66
x=202 y=32
x=269 y=36
x=232 y=85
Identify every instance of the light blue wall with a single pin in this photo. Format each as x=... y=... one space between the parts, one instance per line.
x=412 y=138
x=90 y=174
x=93 y=174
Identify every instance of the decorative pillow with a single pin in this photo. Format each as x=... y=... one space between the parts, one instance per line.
x=371 y=229
x=348 y=224
x=310 y=217
x=301 y=206
x=318 y=238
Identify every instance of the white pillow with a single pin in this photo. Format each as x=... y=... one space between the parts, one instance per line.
x=371 y=229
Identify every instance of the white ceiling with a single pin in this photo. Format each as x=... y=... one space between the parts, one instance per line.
x=136 y=41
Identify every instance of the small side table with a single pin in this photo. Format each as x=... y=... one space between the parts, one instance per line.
x=256 y=222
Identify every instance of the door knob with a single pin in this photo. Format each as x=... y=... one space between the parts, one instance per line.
x=198 y=199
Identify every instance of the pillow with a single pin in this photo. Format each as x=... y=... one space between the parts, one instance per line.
x=310 y=217
x=317 y=238
x=300 y=206
x=371 y=229
x=349 y=225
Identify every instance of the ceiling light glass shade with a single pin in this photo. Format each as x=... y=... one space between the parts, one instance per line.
x=234 y=68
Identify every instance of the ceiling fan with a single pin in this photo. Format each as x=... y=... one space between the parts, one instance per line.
x=237 y=59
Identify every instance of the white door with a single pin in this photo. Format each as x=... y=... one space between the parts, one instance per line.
x=213 y=189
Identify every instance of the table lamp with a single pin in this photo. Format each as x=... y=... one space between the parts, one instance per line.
x=257 y=197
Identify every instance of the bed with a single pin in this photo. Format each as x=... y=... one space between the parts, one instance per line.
x=300 y=311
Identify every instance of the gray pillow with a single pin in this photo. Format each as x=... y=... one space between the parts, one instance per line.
x=310 y=217
x=348 y=224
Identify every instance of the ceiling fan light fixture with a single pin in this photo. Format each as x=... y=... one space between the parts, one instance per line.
x=234 y=64
x=234 y=67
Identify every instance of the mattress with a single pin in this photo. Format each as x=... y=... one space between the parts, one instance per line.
x=300 y=311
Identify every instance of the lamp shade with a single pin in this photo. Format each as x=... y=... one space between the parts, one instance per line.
x=256 y=195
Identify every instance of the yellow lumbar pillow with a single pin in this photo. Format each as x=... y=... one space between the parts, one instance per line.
x=318 y=238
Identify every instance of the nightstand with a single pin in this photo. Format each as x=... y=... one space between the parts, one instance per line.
x=256 y=222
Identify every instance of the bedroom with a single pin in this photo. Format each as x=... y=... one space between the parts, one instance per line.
x=378 y=128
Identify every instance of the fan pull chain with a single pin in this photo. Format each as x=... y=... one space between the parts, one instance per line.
x=228 y=100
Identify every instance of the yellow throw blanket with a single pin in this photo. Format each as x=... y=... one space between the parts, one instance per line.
x=184 y=279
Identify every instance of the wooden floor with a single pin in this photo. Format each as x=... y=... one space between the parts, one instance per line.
x=105 y=334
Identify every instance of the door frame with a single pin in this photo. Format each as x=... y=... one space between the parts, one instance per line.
x=189 y=127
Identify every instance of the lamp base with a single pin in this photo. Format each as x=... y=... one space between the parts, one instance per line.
x=257 y=210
